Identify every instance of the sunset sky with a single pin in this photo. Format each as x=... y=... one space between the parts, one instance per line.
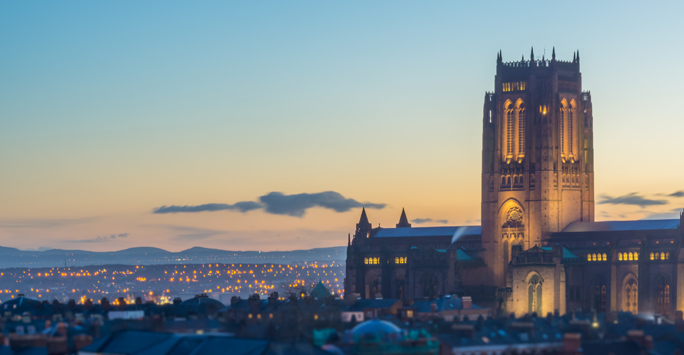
x=112 y=110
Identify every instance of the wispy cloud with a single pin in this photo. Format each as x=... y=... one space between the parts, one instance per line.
x=244 y=206
x=98 y=239
x=296 y=205
x=677 y=194
x=631 y=199
x=193 y=233
x=42 y=223
x=279 y=203
x=429 y=220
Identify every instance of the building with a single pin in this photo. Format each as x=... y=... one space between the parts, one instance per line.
x=538 y=248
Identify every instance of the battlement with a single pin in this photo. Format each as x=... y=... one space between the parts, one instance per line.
x=541 y=63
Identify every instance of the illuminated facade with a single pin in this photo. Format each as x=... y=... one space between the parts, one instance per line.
x=538 y=248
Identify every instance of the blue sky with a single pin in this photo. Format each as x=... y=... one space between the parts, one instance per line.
x=109 y=110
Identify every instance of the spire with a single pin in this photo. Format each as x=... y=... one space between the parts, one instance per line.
x=578 y=56
x=403 y=220
x=574 y=57
x=363 y=228
x=532 y=55
x=349 y=239
x=553 y=54
x=498 y=57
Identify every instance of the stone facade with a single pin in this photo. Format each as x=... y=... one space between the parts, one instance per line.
x=538 y=248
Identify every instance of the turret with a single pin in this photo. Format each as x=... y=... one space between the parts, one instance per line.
x=532 y=55
x=364 y=227
x=403 y=220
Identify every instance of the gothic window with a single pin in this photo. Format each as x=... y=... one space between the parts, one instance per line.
x=534 y=300
x=652 y=256
x=562 y=131
x=509 y=131
x=619 y=256
x=630 y=296
x=429 y=283
x=662 y=256
x=667 y=256
x=588 y=257
x=605 y=257
x=600 y=290
x=521 y=130
x=522 y=179
x=631 y=256
x=662 y=296
x=503 y=181
x=636 y=256
x=570 y=130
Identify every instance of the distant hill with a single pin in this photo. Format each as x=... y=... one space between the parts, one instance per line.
x=11 y=257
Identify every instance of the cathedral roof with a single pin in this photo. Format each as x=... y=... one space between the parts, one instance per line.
x=425 y=232
x=612 y=226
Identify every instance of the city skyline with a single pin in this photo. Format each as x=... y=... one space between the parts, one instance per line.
x=300 y=116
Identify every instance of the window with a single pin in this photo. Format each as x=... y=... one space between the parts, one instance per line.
x=663 y=296
x=652 y=256
x=570 y=118
x=400 y=260
x=562 y=131
x=636 y=256
x=662 y=256
x=605 y=257
x=631 y=256
x=588 y=257
x=371 y=261
x=630 y=296
x=534 y=289
x=667 y=256
x=521 y=131
x=509 y=131
x=619 y=256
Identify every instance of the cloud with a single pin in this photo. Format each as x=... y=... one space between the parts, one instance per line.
x=193 y=233
x=279 y=203
x=428 y=220
x=296 y=205
x=98 y=239
x=677 y=194
x=42 y=223
x=244 y=206
x=631 y=199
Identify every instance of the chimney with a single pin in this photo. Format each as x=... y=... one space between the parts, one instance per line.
x=572 y=343
x=467 y=302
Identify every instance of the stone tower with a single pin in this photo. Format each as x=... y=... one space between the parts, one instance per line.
x=537 y=156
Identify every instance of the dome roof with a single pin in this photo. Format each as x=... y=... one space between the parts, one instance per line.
x=375 y=330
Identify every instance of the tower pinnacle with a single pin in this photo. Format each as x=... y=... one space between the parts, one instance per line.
x=403 y=220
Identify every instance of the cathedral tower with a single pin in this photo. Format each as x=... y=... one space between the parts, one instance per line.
x=537 y=156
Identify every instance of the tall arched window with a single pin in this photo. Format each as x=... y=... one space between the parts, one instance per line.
x=570 y=130
x=663 y=296
x=510 y=121
x=630 y=296
x=534 y=300
x=521 y=130
x=600 y=291
x=562 y=130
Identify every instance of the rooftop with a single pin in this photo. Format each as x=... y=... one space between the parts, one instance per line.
x=447 y=231
x=615 y=226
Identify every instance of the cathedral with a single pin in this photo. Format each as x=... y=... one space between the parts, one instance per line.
x=538 y=249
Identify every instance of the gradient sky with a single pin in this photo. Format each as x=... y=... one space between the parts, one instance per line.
x=109 y=110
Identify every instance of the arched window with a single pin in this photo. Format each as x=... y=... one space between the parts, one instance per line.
x=651 y=256
x=570 y=118
x=522 y=179
x=631 y=256
x=619 y=256
x=662 y=296
x=667 y=256
x=630 y=296
x=521 y=130
x=662 y=256
x=636 y=256
x=534 y=290
x=593 y=257
x=515 y=179
x=605 y=257
x=508 y=181
x=503 y=180
x=562 y=130
x=588 y=257
x=510 y=121
x=600 y=290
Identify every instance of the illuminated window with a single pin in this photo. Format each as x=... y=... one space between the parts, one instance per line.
x=651 y=256
x=509 y=131
x=570 y=113
x=619 y=256
x=588 y=257
x=631 y=256
x=636 y=256
x=667 y=256
x=593 y=257
x=662 y=256
x=605 y=257
x=562 y=131
x=521 y=131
